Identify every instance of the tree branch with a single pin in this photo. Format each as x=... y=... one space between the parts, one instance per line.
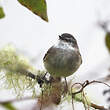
x=83 y=85
x=98 y=107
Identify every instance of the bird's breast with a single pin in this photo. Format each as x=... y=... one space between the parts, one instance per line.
x=62 y=61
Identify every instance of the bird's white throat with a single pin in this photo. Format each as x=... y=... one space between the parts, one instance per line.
x=64 y=45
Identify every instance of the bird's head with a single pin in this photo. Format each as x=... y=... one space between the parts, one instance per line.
x=68 y=38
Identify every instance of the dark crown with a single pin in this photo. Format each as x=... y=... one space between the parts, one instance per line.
x=68 y=38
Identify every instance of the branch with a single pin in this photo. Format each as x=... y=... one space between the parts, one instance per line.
x=41 y=79
x=98 y=107
x=83 y=85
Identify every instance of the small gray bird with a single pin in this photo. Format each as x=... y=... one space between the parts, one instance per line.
x=64 y=58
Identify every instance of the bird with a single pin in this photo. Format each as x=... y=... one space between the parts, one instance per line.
x=63 y=58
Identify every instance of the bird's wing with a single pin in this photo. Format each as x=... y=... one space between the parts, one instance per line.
x=51 y=51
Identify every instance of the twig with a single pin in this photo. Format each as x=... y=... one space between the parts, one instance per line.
x=41 y=79
x=98 y=107
x=41 y=101
x=27 y=73
x=85 y=84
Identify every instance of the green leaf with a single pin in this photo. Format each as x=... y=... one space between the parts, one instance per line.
x=107 y=40
x=38 y=7
x=2 y=15
x=85 y=100
x=78 y=97
x=8 y=106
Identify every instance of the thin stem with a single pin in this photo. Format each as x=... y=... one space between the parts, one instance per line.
x=86 y=101
x=73 y=103
x=41 y=101
x=85 y=84
x=66 y=83
x=98 y=107
x=27 y=73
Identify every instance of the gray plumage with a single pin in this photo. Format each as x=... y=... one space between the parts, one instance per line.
x=63 y=59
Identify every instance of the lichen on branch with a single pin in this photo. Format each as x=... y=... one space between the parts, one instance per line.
x=13 y=67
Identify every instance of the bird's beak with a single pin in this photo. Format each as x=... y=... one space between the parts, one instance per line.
x=59 y=37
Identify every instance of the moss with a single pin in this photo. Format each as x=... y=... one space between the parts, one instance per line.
x=12 y=67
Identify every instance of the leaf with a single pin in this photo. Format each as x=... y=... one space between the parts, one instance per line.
x=2 y=15
x=8 y=106
x=107 y=40
x=38 y=7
